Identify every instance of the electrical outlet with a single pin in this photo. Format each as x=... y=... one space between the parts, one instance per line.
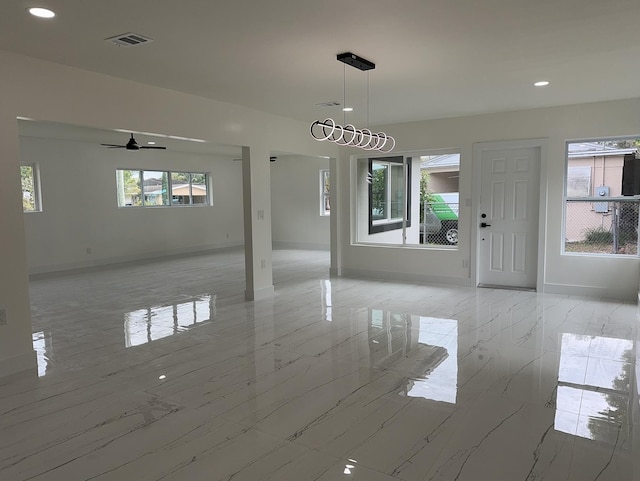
x=88 y=250
x=3 y=317
x=465 y=263
x=263 y=264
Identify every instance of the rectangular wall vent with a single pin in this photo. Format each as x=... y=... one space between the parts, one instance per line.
x=331 y=103
x=128 y=39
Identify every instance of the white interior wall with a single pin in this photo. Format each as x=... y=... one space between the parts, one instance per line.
x=40 y=90
x=295 y=203
x=605 y=276
x=80 y=212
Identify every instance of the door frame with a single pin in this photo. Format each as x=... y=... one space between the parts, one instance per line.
x=478 y=149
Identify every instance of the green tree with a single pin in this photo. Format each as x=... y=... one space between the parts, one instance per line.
x=622 y=143
x=379 y=192
x=426 y=195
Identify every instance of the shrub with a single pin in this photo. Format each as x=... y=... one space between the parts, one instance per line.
x=598 y=235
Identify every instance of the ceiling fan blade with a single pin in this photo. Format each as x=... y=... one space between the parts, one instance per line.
x=153 y=147
x=114 y=146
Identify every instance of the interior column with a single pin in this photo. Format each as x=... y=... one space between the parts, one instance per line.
x=16 y=346
x=256 y=183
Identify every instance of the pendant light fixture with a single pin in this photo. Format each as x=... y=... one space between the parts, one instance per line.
x=348 y=135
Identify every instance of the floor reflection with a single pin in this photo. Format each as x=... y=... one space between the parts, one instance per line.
x=42 y=347
x=594 y=387
x=146 y=325
x=325 y=285
x=425 y=349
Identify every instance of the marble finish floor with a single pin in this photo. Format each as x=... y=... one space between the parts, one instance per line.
x=161 y=371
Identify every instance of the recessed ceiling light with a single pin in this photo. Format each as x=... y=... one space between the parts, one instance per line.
x=541 y=83
x=347 y=109
x=41 y=12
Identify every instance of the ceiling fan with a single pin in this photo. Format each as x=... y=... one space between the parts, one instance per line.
x=133 y=145
x=271 y=159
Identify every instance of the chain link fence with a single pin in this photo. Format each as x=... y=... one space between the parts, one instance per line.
x=439 y=223
x=599 y=227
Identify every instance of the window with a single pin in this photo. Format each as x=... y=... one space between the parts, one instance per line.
x=387 y=193
x=601 y=214
x=324 y=192
x=426 y=181
x=30 y=188
x=188 y=188
x=149 y=188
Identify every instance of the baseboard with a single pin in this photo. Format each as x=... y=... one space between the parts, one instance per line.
x=258 y=294
x=630 y=294
x=406 y=277
x=18 y=364
x=309 y=246
x=44 y=272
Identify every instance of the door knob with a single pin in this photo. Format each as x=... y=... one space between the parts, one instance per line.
x=484 y=224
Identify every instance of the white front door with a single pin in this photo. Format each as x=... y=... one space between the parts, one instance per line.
x=507 y=218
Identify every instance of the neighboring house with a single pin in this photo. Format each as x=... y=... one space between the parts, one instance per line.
x=444 y=172
x=180 y=194
x=593 y=170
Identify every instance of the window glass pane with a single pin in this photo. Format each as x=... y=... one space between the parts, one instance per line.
x=129 y=188
x=396 y=191
x=439 y=199
x=383 y=186
x=29 y=198
x=606 y=170
x=379 y=200
x=199 y=188
x=152 y=188
x=156 y=188
x=180 y=188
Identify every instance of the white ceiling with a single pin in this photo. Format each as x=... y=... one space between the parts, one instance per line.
x=435 y=58
x=56 y=130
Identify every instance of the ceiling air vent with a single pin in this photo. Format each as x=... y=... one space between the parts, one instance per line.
x=128 y=39
x=331 y=103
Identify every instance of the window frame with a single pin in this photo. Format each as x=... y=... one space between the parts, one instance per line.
x=592 y=198
x=35 y=177
x=208 y=201
x=389 y=224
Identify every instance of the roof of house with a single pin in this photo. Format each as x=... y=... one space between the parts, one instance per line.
x=441 y=162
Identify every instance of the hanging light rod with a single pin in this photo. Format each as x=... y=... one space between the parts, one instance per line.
x=355 y=61
x=348 y=135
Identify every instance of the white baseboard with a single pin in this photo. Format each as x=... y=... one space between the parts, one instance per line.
x=41 y=272
x=630 y=294
x=407 y=277
x=309 y=246
x=19 y=364
x=258 y=294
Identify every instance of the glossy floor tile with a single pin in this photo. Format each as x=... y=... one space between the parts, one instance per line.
x=161 y=371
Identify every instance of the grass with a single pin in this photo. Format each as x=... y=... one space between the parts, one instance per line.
x=601 y=247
